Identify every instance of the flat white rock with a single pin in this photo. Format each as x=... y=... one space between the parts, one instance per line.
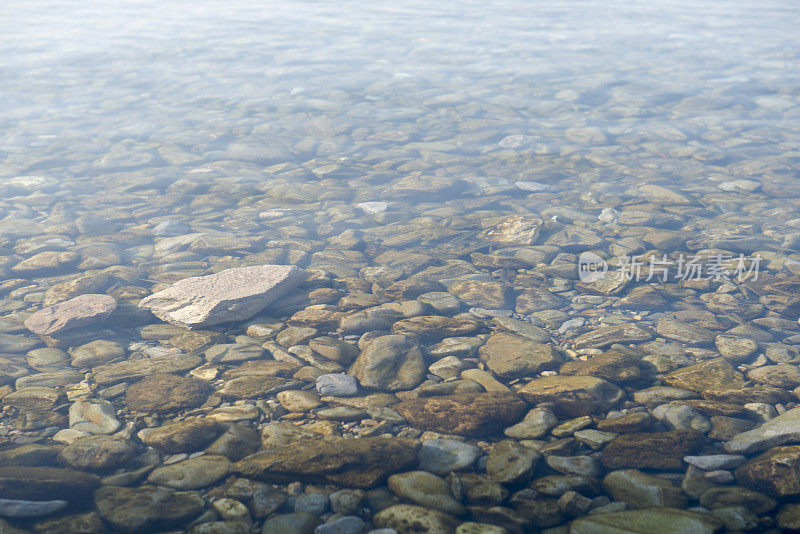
x=783 y=429
x=230 y=295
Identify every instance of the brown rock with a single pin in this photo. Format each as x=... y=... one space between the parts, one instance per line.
x=615 y=366
x=111 y=373
x=165 y=393
x=478 y=414
x=632 y=422
x=776 y=472
x=710 y=374
x=652 y=450
x=605 y=336
x=767 y=394
x=573 y=396
x=46 y=484
x=182 y=436
x=292 y=453
x=436 y=327
x=512 y=356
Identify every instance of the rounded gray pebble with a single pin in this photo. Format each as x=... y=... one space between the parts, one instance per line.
x=349 y=524
x=313 y=503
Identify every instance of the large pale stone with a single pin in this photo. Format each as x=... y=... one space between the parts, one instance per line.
x=783 y=429
x=229 y=295
x=79 y=311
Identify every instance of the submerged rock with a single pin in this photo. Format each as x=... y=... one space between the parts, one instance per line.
x=293 y=453
x=467 y=414
x=146 y=509
x=78 y=311
x=230 y=295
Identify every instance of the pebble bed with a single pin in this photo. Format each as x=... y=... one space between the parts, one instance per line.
x=437 y=174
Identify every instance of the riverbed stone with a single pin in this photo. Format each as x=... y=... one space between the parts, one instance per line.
x=95 y=416
x=652 y=450
x=511 y=356
x=390 y=363
x=79 y=311
x=35 y=483
x=784 y=428
x=291 y=453
x=146 y=509
x=94 y=353
x=165 y=393
x=229 y=295
x=776 y=472
x=112 y=373
x=181 y=436
x=662 y=520
x=641 y=490
x=465 y=414
x=717 y=373
x=441 y=456
x=193 y=473
x=425 y=489
x=406 y=518
x=97 y=453
x=573 y=396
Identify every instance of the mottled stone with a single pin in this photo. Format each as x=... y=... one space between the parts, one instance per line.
x=79 y=311
x=165 y=393
x=230 y=295
x=512 y=356
x=292 y=453
x=407 y=519
x=652 y=450
x=573 y=396
x=480 y=414
x=775 y=472
x=710 y=374
x=146 y=509
x=426 y=490
x=642 y=490
x=390 y=363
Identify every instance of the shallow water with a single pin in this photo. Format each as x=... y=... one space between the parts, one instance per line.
x=451 y=160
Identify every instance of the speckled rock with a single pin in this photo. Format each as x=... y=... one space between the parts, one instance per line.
x=165 y=393
x=478 y=414
x=652 y=450
x=79 y=311
x=573 y=396
x=230 y=295
x=146 y=509
x=390 y=363
x=409 y=519
x=512 y=356
x=348 y=462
